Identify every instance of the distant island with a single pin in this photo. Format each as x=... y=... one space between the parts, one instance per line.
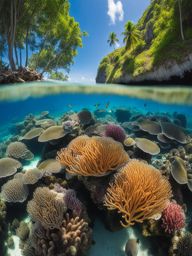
x=158 y=49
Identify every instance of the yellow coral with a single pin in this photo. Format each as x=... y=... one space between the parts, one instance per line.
x=93 y=156
x=139 y=192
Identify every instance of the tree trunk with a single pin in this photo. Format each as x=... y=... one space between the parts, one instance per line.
x=11 y=34
x=20 y=58
x=181 y=20
x=16 y=56
x=27 y=48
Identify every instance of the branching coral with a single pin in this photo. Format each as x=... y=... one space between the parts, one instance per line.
x=139 y=192
x=76 y=233
x=47 y=207
x=93 y=156
x=72 y=238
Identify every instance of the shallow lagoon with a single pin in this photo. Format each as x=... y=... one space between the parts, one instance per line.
x=104 y=102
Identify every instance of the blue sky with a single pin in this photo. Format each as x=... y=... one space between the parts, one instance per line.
x=99 y=18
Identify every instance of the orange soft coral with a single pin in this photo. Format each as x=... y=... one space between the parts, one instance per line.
x=92 y=156
x=139 y=192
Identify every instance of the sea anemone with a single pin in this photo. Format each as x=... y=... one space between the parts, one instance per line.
x=116 y=132
x=139 y=192
x=173 y=218
x=95 y=156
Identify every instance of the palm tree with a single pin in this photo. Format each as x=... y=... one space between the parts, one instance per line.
x=113 y=40
x=131 y=35
x=181 y=19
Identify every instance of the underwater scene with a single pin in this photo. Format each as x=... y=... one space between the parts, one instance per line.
x=92 y=172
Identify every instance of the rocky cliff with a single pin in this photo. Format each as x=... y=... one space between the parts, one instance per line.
x=161 y=56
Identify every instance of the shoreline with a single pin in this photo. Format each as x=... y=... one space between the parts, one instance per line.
x=177 y=95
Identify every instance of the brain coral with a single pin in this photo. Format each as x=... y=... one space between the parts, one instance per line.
x=92 y=156
x=139 y=192
x=19 y=150
x=47 y=207
x=14 y=191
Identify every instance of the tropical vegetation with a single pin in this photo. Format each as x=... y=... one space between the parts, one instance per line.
x=39 y=34
x=113 y=40
x=162 y=35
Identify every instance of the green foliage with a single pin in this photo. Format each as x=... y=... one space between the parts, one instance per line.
x=166 y=44
x=131 y=35
x=56 y=75
x=44 y=30
x=112 y=40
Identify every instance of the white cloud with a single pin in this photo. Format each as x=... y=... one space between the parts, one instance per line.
x=117 y=45
x=115 y=10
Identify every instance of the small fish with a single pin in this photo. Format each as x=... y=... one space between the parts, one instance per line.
x=131 y=247
x=69 y=106
x=101 y=110
x=145 y=105
x=107 y=104
x=97 y=105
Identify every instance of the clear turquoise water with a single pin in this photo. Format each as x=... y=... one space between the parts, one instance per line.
x=14 y=108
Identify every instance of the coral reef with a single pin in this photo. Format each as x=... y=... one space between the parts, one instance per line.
x=139 y=192
x=116 y=132
x=23 y=231
x=85 y=118
x=8 y=166
x=147 y=146
x=52 y=133
x=101 y=170
x=33 y=133
x=173 y=218
x=19 y=150
x=72 y=238
x=184 y=246
x=47 y=207
x=32 y=176
x=49 y=166
x=93 y=156
x=14 y=191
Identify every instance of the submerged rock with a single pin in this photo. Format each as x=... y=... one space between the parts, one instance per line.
x=131 y=247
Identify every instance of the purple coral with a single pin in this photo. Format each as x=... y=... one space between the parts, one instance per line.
x=116 y=132
x=70 y=199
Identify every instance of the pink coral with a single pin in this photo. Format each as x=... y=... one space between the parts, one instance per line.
x=173 y=218
x=116 y=132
